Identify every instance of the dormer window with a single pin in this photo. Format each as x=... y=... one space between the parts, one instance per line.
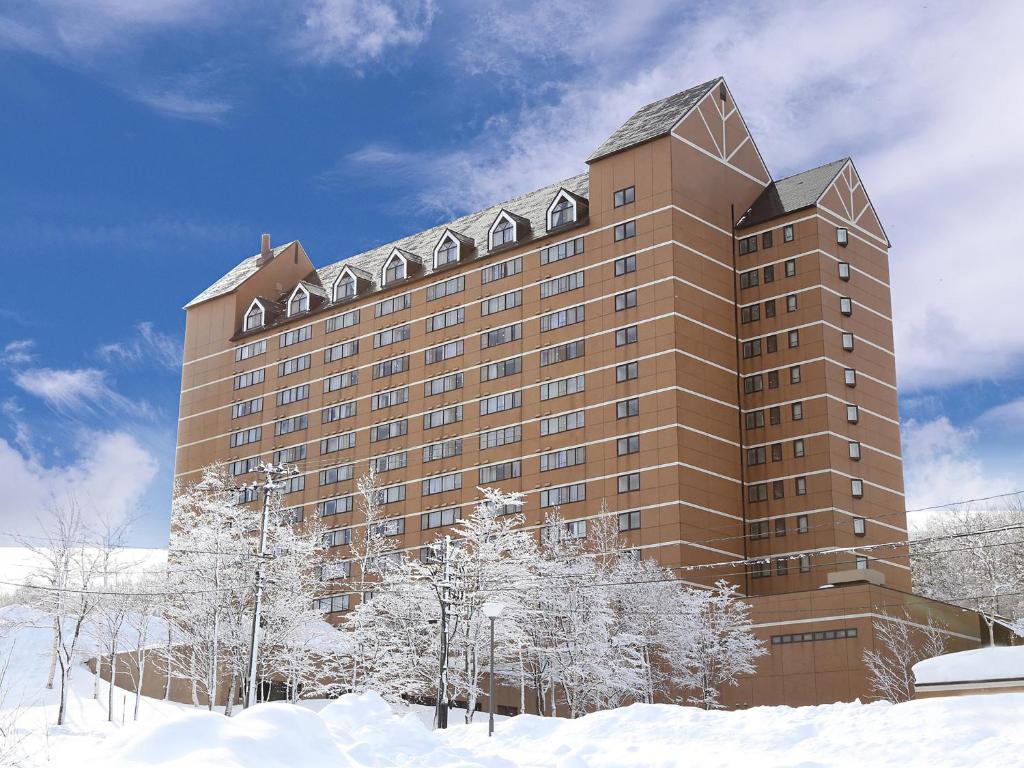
x=254 y=318
x=298 y=301
x=346 y=288
x=562 y=213
x=395 y=268
x=504 y=232
x=447 y=251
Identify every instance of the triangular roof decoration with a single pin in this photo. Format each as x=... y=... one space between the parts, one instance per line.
x=580 y=206
x=520 y=225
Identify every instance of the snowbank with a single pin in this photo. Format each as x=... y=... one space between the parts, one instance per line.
x=993 y=663
x=363 y=731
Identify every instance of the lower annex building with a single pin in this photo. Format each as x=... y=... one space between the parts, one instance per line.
x=707 y=349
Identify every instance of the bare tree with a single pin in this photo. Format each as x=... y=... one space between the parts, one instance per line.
x=900 y=644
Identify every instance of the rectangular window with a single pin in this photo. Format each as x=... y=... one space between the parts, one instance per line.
x=296 y=364
x=561 y=251
x=624 y=336
x=390 y=336
x=773 y=379
x=794 y=374
x=390 y=367
x=857 y=489
x=501 y=303
x=336 y=507
x=797 y=411
x=238 y=410
x=854 y=447
x=293 y=394
x=798 y=448
x=778 y=489
x=341 y=381
x=629 y=521
x=568 y=457
x=754 y=419
x=775 y=415
x=846 y=305
x=760 y=569
x=771 y=343
x=781 y=566
x=748 y=245
x=791 y=305
x=392 y=494
x=390 y=306
x=566 y=494
x=250 y=350
x=802 y=525
x=757 y=492
x=443 y=352
x=852 y=414
x=751 y=348
x=447 y=288
x=769 y=308
x=780 y=526
x=338 y=443
x=290 y=455
x=499 y=437
x=625 y=230
x=501 y=369
x=246 y=436
x=625 y=300
x=499 y=336
x=776 y=451
x=389 y=398
x=443 y=450
x=624 y=196
x=844 y=271
x=862 y=562
x=559 y=354
x=570 y=386
x=347 y=349
x=805 y=567
x=848 y=342
x=389 y=430
x=791 y=268
x=626 y=408
x=794 y=338
x=850 y=377
x=244 y=380
x=628 y=483
x=766 y=239
x=562 y=284
x=627 y=372
x=443 y=384
x=346 y=320
x=244 y=466
x=750 y=314
x=787 y=233
x=756 y=456
x=758 y=530
x=562 y=318
x=860 y=526
x=340 y=474
x=439 y=518
x=753 y=383
x=442 y=417
x=624 y=446
x=625 y=265
x=296 y=335
x=335 y=604
x=749 y=279
x=293 y=424
x=389 y=462
x=502 y=269
x=497 y=473
x=564 y=422
x=441 y=484
x=800 y=484
x=338 y=412
x=503 y=402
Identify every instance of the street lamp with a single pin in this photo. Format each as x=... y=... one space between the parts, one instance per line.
x=492 y=611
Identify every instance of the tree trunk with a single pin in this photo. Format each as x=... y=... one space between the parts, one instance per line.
x=96 y=676
x=65 y=682
x=110 y=688
x=229 y=706
x=167 y=685
x=141 y=661
x=192 y=676
x=53 y=653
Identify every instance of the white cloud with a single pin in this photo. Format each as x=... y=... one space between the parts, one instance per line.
x=77 y=391
x=942 y=464
x=182 y=104
x=18 y=352
x=108 y=476
x=1007 y=417
x=357 y=32
x=917 y=94
x=148 y=344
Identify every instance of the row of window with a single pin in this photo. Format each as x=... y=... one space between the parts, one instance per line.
x=758 y=492
x=749 y=244
x=759 y=454
x=760 y=529
x=762 y=569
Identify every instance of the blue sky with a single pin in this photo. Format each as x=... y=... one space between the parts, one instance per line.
x=145 y=145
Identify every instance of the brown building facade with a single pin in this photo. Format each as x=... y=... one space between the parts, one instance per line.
x=706 y=349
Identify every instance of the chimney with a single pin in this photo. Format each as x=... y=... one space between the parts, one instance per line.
x=265 y=247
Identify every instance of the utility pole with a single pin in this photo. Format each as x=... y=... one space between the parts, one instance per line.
x=271 y=485
x=441 y=709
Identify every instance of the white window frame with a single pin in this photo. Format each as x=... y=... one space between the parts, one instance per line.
x=263 y=315
x=395 y=254
x=562 y=195
x=291 y=298
x=503 y=216
x=447 y=236
x=345 y=272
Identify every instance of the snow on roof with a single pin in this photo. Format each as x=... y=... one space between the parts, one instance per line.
x=992 y=663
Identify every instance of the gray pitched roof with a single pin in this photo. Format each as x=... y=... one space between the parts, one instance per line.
x=652 y=121
x=531 y=206
x=801 y=190
x=241 y=272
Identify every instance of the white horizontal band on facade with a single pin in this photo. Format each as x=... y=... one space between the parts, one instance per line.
x=827 y=395
x=808 y=289
x=813 y=323
x=827 y=470
x=822 y=433
x=446 y=404
x=818 y=359
x=867 y=615
x=464 y=338
x=371 y=301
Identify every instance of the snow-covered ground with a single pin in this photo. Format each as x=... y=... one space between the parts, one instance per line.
x=999 y=663
x=359 y=731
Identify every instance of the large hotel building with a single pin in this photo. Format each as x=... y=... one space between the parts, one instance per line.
x=707 y=350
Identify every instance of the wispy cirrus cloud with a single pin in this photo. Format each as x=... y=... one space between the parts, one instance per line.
x=18 y=352
x=147 y=345
x=74 y=392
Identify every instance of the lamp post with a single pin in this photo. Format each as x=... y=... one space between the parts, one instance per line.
x=492 y=611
